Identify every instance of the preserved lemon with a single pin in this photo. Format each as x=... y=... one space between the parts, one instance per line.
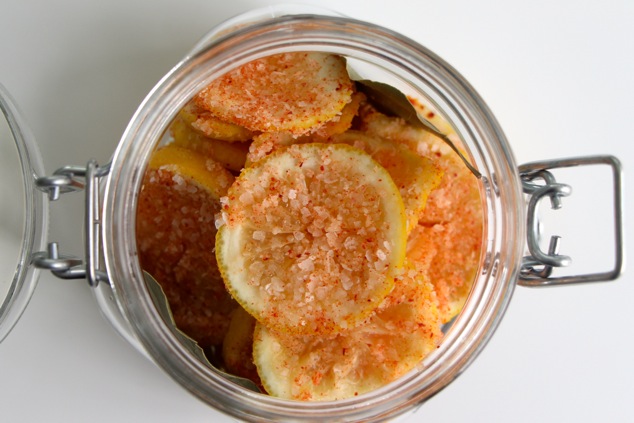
x=237 y=347
x=290 y=92
x=347 y=241
x=415 y=176
x=212 y=127
x=312 y=239
x=231 y=155
x=325 y=368
x=448 y=238
x=175 y=232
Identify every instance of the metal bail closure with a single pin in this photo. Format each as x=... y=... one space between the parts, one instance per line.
x=538 y=182
x=69 y=179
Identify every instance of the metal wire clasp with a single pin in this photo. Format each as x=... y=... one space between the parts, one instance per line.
x=538 y=182
x=70 y=179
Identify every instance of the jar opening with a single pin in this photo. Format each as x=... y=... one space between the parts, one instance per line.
x=377 y=54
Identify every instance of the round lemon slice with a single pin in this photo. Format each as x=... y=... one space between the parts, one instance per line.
x=237 y=347
x=267 y=142
x=415 y=176
x=449 y=235
x=313 y=236
x=175 y=232
x=232 y=155
x=326 y=368
x=449 y=252
x=206 y=124
x=290 y=92
x=343 y=121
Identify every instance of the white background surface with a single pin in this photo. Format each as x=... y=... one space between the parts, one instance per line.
x=559 y=76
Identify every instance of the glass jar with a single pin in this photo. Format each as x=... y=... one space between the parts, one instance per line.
x=112 y=268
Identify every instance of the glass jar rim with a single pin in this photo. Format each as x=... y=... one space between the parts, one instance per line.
x=415 y=66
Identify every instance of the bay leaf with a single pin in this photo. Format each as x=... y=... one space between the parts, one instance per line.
x=162 y=305
x=392 y=102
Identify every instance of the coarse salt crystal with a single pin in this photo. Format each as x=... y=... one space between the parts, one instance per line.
x=292 y=194
x=246 y=198
x=331 y=237
x=310 y=285
x=277 y=284
x=368 y=256
x=346 y=266
x=381 y=255
x=178 y=179
x=321 y=293
x=306 y=265
x=350 y=243
x=259 y=235
x=346 y=281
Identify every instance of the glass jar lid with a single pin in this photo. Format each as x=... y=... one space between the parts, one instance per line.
x=23 y=213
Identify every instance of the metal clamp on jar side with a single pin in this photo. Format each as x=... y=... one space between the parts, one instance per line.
x=70 y=179
x=538 y=183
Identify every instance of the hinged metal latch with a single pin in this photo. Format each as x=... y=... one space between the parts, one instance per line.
x=69 y=179
x=538 y=182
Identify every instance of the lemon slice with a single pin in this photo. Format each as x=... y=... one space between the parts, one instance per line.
x=210 y=126
x=448 y=238
x=268 y=142
x=237 y=347
x=450 y=253
x=175 y=232
x=232 y=155
x=289 y=92
x=326 y=368
x=457 y=185
x=343 y=121
x=314 y=234
x=415 y=176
